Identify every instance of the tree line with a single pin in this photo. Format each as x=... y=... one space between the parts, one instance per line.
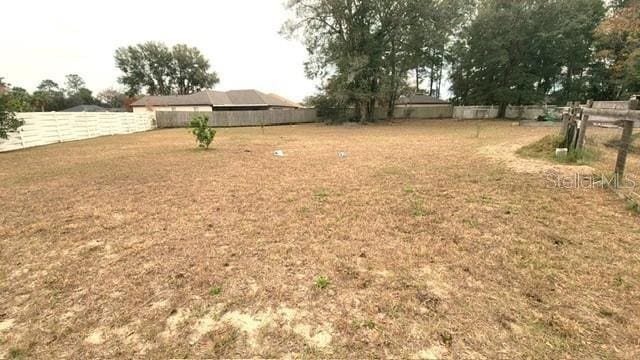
x=50 y=96
x=149 y=68
x=367 y=53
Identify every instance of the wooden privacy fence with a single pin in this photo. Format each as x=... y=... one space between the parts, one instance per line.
x=173 y=119
x=576 y=122
x=54 y=127
x=531 y=112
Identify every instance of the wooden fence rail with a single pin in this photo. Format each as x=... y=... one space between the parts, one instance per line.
x=613 y=113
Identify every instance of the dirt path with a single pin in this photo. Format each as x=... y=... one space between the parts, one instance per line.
x=506 y=153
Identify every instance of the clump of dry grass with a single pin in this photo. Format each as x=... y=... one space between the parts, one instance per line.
x=545 y=148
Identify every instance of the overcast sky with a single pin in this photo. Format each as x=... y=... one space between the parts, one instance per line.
x=48 y=39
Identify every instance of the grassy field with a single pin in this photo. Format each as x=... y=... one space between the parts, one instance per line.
x=429 y=240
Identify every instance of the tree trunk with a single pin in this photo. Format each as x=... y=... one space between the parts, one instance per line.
x=371 y=108
x=358 y=111
x=438 y=91
x=391 y=109
x=502 y=111
x=371 y=102
x=392 y=94
x=431 y=81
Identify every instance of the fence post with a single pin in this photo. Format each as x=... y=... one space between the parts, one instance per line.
x=584 y=124
x=627 y=133
x=565 y=124
x=20 y=134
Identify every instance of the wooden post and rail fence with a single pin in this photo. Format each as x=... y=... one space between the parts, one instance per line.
x=576 y=122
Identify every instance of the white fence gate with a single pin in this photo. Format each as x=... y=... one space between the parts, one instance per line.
x=49 y=128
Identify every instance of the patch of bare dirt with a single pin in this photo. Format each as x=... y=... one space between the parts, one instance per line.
x=505 y=153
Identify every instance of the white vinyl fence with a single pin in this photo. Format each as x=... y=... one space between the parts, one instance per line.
x=475 y=112
x=54 y=127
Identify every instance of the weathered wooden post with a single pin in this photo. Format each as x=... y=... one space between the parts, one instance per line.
x=627 y=133
x=565 y=124
x=571 y=136
x=584 y=124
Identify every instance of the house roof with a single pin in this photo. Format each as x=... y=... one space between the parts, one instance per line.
x=85 y=108
x=286 y=101
x=218 y=99
x=420 y=99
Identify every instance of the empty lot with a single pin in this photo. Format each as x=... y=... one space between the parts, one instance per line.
x=435 y=241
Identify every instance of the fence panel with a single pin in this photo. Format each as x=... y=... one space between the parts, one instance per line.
x=512 y=112
x=444 y=111
x=172 y=119
x=475 y=112
x=49 y=128
x=617 y=105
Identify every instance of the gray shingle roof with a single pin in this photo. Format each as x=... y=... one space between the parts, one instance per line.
x=85 y=108
x=218 y=98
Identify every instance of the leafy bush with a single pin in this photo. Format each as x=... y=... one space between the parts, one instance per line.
x=549 y=116
x=8 y=120
x=215 y=291
x=200 y=128
x=322 y=282
x=331 y=109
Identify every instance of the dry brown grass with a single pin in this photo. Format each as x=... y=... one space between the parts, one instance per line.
x=110 y=248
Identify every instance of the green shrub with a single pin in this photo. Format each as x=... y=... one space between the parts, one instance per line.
x=549 y=116
x=8 y=120
x=203 y=133
x=322 y=282
x=215 y=291
x=330 y=109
